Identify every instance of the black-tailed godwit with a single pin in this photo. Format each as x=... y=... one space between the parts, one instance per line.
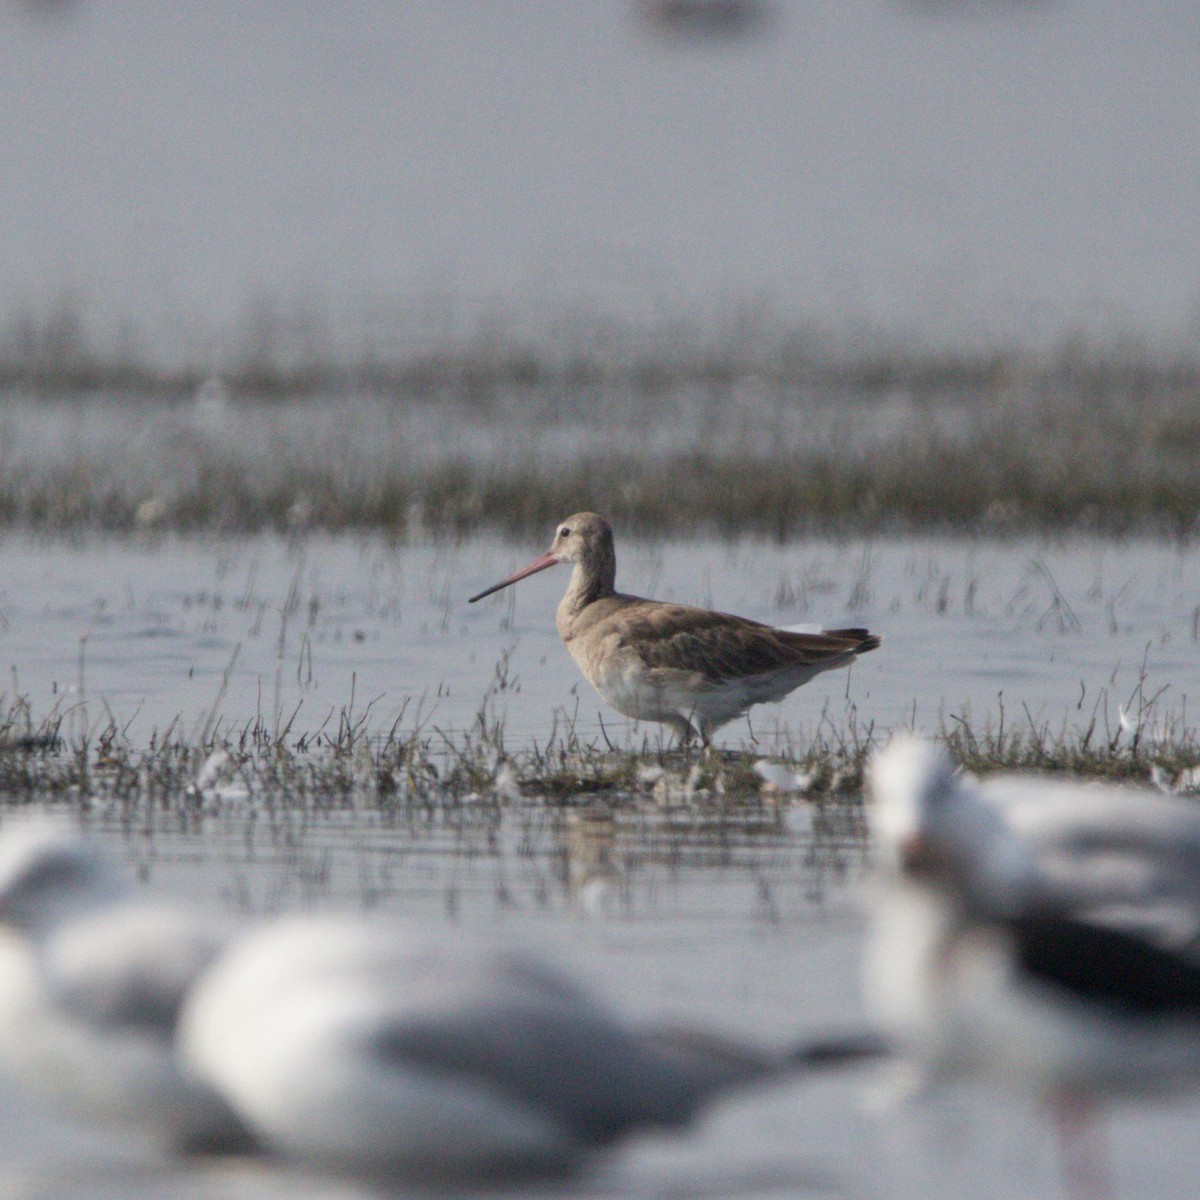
x=689 y=668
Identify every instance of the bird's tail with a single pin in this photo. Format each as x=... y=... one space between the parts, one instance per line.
x=864 y=637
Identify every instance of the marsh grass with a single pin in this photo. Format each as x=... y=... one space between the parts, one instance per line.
x=740 y=427
x=414 y=767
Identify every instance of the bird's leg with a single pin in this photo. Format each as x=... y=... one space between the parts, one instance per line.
x=684 y=731
x=1082 y=1148
x=697 y=724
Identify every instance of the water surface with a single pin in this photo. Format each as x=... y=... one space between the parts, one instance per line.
x=743 y=916
x=204 y=631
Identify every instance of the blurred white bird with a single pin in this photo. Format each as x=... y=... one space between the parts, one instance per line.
x=91 y=982
x=1035 y=933
x=332 y=1040
x=365 y=1048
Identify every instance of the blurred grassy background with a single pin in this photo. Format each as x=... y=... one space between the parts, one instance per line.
x=748 y=426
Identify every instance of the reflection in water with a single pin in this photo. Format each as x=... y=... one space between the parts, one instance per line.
x=589 y=838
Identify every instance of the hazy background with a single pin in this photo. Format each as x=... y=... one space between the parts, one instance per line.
x=960 y=173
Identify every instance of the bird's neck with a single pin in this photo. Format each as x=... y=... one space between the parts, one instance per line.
x=589 y=582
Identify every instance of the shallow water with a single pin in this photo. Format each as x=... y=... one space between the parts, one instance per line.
x=751 y=927
x=232 y=631
x=747 y=919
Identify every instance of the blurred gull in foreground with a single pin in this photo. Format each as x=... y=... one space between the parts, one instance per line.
x=91 y=982
x=369 y=1049
x=1036 y=933
x=340 y=1043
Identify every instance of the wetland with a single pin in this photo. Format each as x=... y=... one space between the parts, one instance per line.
x=289 y=713
x=272 y=724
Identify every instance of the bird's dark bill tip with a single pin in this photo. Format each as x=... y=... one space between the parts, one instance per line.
x=539 y=564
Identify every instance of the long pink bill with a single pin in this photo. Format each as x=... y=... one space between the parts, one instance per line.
x=539 y=564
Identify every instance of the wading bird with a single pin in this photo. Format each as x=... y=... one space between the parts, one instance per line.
x=1037 y=934
x=689 y=668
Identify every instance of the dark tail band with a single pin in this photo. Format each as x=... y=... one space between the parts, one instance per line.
x=864 y=637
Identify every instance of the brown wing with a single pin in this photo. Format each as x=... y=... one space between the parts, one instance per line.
x=720 y=647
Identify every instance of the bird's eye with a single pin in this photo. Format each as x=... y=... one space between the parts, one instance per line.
x=564 y=532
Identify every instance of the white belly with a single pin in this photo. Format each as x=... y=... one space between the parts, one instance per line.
x=662 y=694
